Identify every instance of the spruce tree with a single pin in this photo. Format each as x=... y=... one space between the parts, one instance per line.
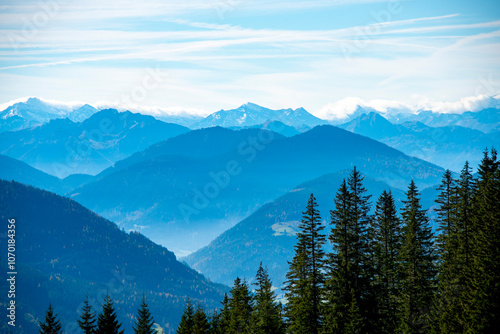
x=144 y=323
x=87 y=321
x=418 y=272
x=186 y=324
x=455 y=269
x=342 y=311
x=387 y=244
x=298 y=293
x=483 y=284
x=447 y=243
x=446 y=314
x=240 y=308
x=266 y=317
x=107 y=322
x=215 y=323
x=52 y=325
x=200 y=321
x=350 y=298
x=225 y=315
x=466 y=188
x=305 y=278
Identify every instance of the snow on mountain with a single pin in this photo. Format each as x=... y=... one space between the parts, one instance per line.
x=29 y=112
x=250 y=114
x=34 y=111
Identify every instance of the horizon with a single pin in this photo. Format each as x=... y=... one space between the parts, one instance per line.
x=343 y=109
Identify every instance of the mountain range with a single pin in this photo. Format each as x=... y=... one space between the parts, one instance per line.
x=185 y=191
x=447 y=146
x=33 y=112
x=62 y=147
x=485 y=120
x=65 y=253
x=225 y=195
x=250 y=114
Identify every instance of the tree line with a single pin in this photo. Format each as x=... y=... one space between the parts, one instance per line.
x=388 y=272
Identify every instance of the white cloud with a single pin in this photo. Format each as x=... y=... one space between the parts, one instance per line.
x=470 y=103
x=341 y=109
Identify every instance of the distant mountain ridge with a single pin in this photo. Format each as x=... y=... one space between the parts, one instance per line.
x=33 y=112
x=250 y=114
x=447 y=146
x=62 y=147
x=174 y=173
x=485 y=120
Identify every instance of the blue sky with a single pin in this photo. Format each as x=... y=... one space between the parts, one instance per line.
x=201 y=56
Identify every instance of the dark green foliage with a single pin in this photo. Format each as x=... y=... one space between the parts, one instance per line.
x=386 y=244
x=228 y=256
x=87 y=321
x=447 y=308
x=482 y=300
x=223 y=318
x=350 y=297
x=305 y=278
x=466 y=189
x=447 y=201
x=187 y=319
x=240 y=308
x=214 y=321
x=200 y=321
x=266 y=316
x=89 y=253
x=380 y=278
x=342 y=306
x=52 y=325
x=418 y=270
x=144 y=322
x=107 y=322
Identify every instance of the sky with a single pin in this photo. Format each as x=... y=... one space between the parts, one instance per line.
x=203 y=56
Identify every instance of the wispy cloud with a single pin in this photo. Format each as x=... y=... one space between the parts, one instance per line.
x=273 y=52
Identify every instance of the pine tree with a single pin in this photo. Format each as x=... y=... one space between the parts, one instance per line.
x=447 y=201
x=87 y=321
x=200 y=321
x=342 y=311
x=298 y=293
x=483 y=284
x=447 y=313
x=215 y=323
x=225 y=315
x=305 y=278
x=240 y=308
x=52 y=325
x=350 y=297
x=107 y=322
x=387 y=244
x=144 y=323
x=418 y=270
x=186 y=324
x=266 y=317
x=466 y=189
